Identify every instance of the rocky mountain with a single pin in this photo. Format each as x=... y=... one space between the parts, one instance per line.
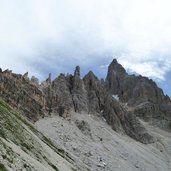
x=122 y=100
x=137 y=96
x=141 y=94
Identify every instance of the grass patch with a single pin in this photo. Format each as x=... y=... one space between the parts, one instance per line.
x=27 y=146
x=2 y=134
x=50 y=164
x=2 y=167
x=53 y=166
x=59 y=151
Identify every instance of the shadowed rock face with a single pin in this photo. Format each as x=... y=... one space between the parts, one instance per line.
x=124 y=121
x=136 y=96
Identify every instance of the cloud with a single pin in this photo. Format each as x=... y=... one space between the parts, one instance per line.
x=156 y=68
x=55 y=35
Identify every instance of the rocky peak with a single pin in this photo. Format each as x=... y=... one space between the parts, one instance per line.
x=7 y=71
x=145 y=98
x=114 y=76
x=116 y=69
x=91 y=75
x=46 y=83
x=60 y=79
x=49 y=79
x=35 y=80
x=25 y=76
x=96 y=92
x=76 y=80
x=90 y=80
x=79 y=93
x=59 y=95
x=130 y=88
x=77 y=72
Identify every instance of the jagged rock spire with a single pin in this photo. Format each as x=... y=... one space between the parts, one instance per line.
x=90 y=80
x=7 y=71
x=35 y=80
x=115 y=73
x=25 y=75
x=77 y=71
x=49 y=79
x=79 y=93
x=116 y=68
x=92 y=75
x=95 y=91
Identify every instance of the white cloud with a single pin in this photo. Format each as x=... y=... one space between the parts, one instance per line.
x=156 y=69
x=84 y=32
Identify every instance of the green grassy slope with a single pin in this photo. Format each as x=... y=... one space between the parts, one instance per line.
x=20 y=142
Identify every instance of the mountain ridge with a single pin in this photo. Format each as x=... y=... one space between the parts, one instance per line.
x=137 y=97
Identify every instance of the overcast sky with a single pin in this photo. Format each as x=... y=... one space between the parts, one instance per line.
x=42 y=36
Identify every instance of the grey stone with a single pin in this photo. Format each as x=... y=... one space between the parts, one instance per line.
x=84 y=127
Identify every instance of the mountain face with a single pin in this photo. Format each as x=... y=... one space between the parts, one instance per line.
x=121 y=99
x=22 y=94
x=141 y=94
x=133 y=89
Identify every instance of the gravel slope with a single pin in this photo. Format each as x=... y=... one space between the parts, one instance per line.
x=94 y=143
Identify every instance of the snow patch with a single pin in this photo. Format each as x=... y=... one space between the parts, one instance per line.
x=116 y=97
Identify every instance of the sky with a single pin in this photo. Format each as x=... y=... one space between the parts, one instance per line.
x=43 y=36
